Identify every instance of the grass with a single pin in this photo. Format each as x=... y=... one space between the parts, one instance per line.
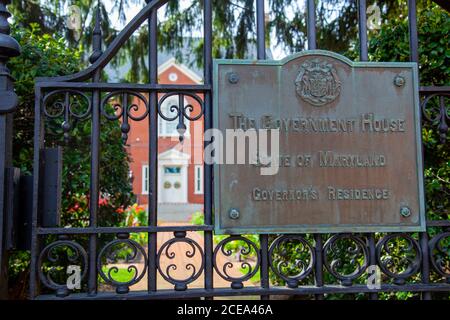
x=122 y=274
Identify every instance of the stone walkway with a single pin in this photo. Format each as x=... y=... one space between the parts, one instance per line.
x=183 y=270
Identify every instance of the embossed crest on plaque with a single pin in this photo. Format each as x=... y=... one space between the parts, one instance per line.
x=317 y=83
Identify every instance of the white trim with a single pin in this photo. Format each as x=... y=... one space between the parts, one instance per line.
x=173 y=157
x=198 y=175
x=145 y=176
x=162 y=124
x=181 y=67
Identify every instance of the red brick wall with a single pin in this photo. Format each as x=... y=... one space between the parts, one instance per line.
x=138 y=141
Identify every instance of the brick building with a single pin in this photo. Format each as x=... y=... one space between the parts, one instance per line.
x=180 y=169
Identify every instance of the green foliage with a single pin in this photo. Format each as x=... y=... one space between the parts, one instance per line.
x=135 y=216
x=391 y=44
x=48 y=55
x=121 y=275
x=42 y=55
x=198 y=219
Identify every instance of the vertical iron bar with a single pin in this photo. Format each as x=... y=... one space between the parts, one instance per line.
x=153 y=151
x=372 y=260
x=412 y=23
x=5 y=162
x=362 y=28
x=425 y=274
x=260 y=30
x=95 y=158
x=9 y=48
x=318 y=270
x=363 y=56
x=312 y=45
x=38 y=146
x=311 y=25
x=94 y=187
x=414 y=57
x=208 y=169
x=261 y=55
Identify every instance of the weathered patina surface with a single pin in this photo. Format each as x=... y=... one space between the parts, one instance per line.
x=350 y=155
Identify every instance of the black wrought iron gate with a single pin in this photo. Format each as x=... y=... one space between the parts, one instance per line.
x=317 y=274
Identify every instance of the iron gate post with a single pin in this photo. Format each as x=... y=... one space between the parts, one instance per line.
x=8 y=103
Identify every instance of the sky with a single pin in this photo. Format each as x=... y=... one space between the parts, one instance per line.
x=132 y=10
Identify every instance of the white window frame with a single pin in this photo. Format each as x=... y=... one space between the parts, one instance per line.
x=198 y=175
x=145 y=179
x=162 y=124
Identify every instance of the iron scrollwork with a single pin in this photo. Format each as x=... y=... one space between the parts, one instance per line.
x=399 y=256
x=437 y=114
x=246 y=249
x=181 y=111
x=440 y=254
x=167 y=250
x=346 y=257
x=69 y=104
x=126 y=251
x=124 y=108
x=292 y=265
x=56 y=259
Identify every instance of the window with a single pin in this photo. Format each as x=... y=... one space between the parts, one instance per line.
x=169 y=128
x=145 y=179
x=198 y=179
x=172 y=170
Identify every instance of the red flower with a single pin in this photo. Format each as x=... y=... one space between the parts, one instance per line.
x=120 y=210
x=102 y=202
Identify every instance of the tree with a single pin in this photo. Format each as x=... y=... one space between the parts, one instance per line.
x=234 y=26
x=47 y=55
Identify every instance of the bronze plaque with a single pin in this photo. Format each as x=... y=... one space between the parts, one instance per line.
x=349 y=145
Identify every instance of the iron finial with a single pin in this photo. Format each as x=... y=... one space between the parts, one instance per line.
x=9 y=48
x=97 y=37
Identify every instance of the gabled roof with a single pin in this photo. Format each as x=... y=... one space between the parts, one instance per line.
x=184 y=69
x=173 y=154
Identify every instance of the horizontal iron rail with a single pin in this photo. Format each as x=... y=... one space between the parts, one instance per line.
x=115 y=230
x=223 y=292
x=89 y=86
x=434 y=89
x=438 y=223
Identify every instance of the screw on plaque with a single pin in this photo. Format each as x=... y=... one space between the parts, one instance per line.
x=405 y=212
x=399 y=81
x=233 y=77
x=234 y=214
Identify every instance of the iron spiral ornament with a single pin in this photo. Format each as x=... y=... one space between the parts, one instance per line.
x=346 y=257
x=61 y=259
x=439 y=247
x=438 y=113
x=292 y=258
x=122 y=251
x=399 y=256
x=193 y=271
x=245 y=249
x=68 y=104
x=181 y=110
x=125 y=105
